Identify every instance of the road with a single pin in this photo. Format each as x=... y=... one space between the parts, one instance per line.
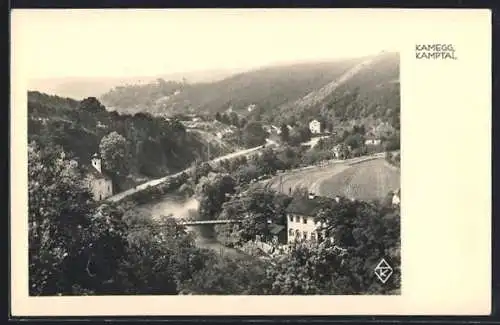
x=364 y=178
x=120 y=196
x=314 y=141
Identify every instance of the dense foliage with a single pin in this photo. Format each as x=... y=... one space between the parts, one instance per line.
x=73 y=244
x=370 y=96
x=138 y=97
x=77 y=246
x=154 y=146
x=267 y=88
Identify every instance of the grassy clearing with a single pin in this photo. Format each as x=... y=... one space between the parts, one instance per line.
x=364 y=181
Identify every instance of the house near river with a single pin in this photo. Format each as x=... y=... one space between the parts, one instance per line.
x=301 y=223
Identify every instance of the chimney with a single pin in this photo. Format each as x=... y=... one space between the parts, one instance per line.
x=96 y=162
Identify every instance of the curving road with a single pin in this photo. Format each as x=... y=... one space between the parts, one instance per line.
x=154 y=182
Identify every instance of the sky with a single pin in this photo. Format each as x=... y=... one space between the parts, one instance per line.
x=126 y=43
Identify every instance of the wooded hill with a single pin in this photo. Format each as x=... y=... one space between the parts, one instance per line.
x=155 y=146
x=279 y=94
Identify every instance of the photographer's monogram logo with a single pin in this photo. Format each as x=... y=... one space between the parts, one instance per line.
x=383 y=271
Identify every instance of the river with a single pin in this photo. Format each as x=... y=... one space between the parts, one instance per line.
x=183 y=208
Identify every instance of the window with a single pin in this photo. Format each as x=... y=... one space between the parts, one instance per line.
x=297 y=219
x=291 y=218
x=313 y=236
x=290 y=232
x=305 y=234
x=304 y=219
x=297 y=233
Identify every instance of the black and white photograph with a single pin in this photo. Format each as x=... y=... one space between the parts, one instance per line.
x=275 y=174
x=219 y=162
x=250 y=162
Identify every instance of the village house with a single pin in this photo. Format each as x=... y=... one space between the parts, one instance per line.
x=372 y=141
x=315 y=126
x=251 y=107
x=301 y=224
x=371 y=138
x=99 y=182
x=276 y=129
x=396 y=198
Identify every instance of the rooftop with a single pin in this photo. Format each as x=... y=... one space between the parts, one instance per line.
x=276 y=229
x=306 y=206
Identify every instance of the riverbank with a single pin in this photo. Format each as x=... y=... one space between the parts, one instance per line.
x=180 y=207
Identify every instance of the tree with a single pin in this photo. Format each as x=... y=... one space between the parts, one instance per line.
x=243 y=122
x=300 y=192
x=300 y=134
x=268 y=163
x=354 y=140
x=115 y=154
x=225 y=119
x=308 y=268
x=161 y=255
x=199 y=170
x=92 y=105
x=217 y=116
x=213 y=193
x=368 y=231
x=393 y=143
x=245 y=173
x=234 y=120
x=289 y=158
x=69 y=239
x=285 y=133
x=227 y=275
x=259 y=207
x=254 y=134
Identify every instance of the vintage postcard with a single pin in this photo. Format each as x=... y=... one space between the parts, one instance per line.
x=250 y=162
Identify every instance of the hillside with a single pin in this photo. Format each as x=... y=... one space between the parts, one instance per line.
x=82 y=87
x=366 y=180
x=266 y=88
x=350 y=91
x=368 y=92
x=155 y=146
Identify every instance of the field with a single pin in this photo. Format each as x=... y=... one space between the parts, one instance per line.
x=366 y=180
x=310 y=178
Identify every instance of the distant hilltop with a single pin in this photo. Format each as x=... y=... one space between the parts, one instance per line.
x=82 y=87
x=343 y=89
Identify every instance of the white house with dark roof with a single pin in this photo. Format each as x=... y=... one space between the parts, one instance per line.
x=315 y=126
x=98 y=182
x=301 y=223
